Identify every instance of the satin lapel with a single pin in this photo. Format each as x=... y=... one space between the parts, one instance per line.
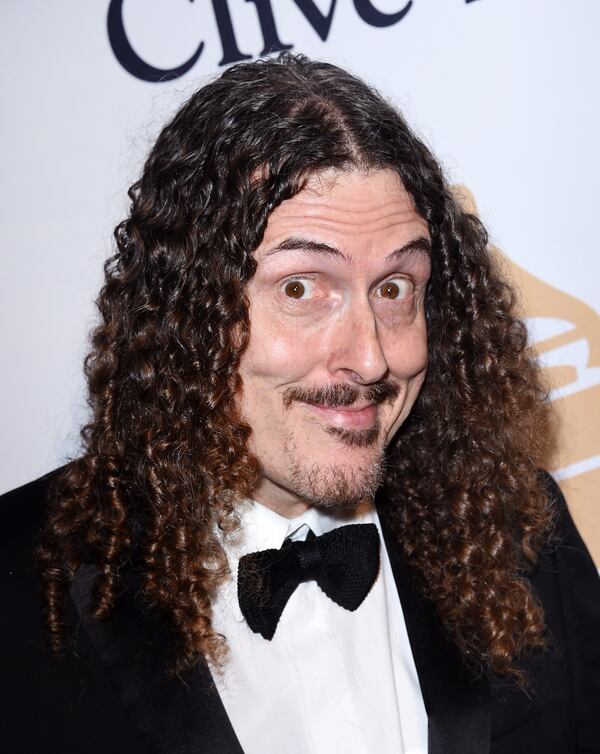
x=173 y=716
x=457 y=703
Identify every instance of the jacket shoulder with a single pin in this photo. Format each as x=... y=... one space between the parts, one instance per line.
x=562 y=710
x=23 y=511
x=52 y=704
x=579 y=598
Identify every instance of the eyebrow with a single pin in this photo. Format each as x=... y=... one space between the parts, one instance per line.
x=420 y=244
x=298 y=243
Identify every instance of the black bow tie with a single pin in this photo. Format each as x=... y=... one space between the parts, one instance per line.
x=344 y=563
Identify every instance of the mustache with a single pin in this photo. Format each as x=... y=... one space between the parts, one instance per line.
x=341 y=394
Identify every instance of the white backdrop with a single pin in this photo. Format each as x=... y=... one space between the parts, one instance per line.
x=505 y=91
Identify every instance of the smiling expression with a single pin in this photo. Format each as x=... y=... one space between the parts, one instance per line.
x=337 y=351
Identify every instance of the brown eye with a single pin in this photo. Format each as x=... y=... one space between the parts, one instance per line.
x=390 y=290
x=295 y=289
x=394 y=289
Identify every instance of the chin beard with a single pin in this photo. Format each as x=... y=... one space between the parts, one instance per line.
x=337 y=487
x=356 y=438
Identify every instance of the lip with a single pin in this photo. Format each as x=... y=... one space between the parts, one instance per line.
x=348 y=417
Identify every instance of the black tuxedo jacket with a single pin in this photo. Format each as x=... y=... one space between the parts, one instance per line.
x=110 y=694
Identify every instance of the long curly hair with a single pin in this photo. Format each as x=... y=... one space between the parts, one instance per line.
x=165 y=452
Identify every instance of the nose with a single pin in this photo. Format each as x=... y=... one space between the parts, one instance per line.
x=356 y=350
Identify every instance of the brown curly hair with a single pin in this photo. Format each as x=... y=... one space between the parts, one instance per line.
x=165 y=452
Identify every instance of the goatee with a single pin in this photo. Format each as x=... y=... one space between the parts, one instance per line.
x=337 y=487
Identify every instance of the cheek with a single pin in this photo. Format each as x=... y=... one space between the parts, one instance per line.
x=408 y=364
x=407 y=353
x=275 y=355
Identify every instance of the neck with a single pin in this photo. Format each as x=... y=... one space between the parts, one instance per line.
x=278 y=499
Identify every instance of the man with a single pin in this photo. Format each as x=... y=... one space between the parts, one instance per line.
x=309 y=514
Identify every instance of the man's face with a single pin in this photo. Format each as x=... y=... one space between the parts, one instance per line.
x=338 y=342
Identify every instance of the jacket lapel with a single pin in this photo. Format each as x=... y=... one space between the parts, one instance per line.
x=173 y=715
x=457 y=702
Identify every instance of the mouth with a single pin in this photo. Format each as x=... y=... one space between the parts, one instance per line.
x=348 y=417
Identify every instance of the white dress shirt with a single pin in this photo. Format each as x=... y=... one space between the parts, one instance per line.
x=330 y=680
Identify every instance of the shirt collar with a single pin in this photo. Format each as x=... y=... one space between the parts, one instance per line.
x=261 y=528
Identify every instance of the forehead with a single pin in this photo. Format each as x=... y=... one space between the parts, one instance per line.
x=352 y=209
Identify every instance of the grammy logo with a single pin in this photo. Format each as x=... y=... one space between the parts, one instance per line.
x=565 y=332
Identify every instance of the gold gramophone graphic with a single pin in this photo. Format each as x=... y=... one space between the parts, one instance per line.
x=566 y=334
